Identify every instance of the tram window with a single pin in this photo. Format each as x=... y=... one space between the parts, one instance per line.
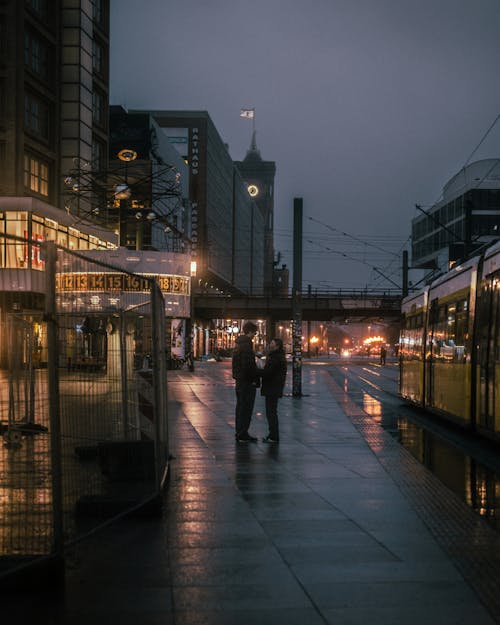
x=461 y=322
x=451 y=332
x=411 y=338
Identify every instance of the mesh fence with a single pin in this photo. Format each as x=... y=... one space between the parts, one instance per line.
x=83 y=406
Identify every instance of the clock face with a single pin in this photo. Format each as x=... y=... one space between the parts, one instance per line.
x=253 y=189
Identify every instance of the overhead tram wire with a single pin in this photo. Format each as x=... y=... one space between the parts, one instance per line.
x=478 y=182
x=467 y=161
x=481 y=141
x=347 y=257
x=350 y=236
x=286 y=234
x=395 y=256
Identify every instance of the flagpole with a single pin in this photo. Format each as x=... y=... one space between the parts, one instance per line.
x=249 y=113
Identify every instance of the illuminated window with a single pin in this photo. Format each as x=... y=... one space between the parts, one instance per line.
x=16 y=253
x=36 y=175
x=73 y=235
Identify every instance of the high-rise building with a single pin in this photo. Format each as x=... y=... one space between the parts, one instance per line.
x=53 y=119
x=465 y=219
x=54 y=85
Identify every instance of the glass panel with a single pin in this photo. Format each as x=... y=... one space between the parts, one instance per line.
x=16 y=252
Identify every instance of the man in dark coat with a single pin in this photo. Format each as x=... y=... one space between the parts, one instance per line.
x=273 y=381
x=246 y=374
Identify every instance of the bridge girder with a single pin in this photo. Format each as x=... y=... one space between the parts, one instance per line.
x=339 y=309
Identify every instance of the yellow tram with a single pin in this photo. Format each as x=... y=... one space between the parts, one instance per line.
x=450 y=345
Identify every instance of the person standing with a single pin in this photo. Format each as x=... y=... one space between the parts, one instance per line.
x=273 y=382
x=246 y=375
x=383 y=355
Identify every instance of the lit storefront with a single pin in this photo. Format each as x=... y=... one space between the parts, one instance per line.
x=24 y=222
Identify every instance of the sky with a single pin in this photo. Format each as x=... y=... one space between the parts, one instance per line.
x=368 y=107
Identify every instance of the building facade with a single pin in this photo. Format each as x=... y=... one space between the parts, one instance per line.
x=56 y=182
x=228 y=231
x=258 y=176
x=53 y=104
x=465 y=219
x=53 y=117
x=157 y=214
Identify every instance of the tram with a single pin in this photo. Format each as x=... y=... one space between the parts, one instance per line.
x=450 y=345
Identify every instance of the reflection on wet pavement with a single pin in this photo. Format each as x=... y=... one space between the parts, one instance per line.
x=468 y=477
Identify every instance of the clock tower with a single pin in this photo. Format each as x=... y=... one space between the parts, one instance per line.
x=259 y=178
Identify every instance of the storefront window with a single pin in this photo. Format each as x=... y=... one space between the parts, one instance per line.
x=37 y=234
x=73 y=238
x=62 y=236
x=15 y=254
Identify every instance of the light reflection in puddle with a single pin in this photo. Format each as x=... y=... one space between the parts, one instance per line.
x=476 y=484
x=372 y=407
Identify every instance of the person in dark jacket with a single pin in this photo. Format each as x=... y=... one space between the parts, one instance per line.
x=273 y=381
x=246 y=375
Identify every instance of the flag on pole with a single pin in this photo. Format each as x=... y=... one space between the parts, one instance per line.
x=248 y=113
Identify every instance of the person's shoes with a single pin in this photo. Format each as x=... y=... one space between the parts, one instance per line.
x=246 y=439
x=268 y=439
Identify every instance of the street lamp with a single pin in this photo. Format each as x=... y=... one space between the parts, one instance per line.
x=233 y=330
x=122 y=194
x=190 y=325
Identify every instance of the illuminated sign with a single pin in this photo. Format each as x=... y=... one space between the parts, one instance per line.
x=195 y=139
x=120 y=282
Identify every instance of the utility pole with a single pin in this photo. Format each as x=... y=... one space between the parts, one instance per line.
x=405 y=274
x=297 y=300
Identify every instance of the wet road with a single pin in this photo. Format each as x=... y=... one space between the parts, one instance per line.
x=466 y=464
x=337 y=525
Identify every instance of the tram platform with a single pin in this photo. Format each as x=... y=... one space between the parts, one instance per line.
x=338 y=524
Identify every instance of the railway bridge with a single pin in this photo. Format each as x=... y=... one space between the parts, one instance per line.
x=360 y=305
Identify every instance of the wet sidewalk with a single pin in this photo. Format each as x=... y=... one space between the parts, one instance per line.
x=337 y=525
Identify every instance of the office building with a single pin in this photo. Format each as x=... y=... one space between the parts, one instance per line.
x=465 y=219
x=228 y=229
x=53 y=119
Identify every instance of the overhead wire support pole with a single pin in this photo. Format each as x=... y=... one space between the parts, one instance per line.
x=404 y=288
x=297 y=300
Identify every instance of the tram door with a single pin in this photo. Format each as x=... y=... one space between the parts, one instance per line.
x=489 y=359
x=430 y=353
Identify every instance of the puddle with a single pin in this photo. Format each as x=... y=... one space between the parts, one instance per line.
x=458 y=461
x=469 y=478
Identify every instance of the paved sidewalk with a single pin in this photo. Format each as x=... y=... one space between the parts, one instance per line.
x=337 y=525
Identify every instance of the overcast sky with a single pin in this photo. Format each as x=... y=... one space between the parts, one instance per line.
x=366 y=106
